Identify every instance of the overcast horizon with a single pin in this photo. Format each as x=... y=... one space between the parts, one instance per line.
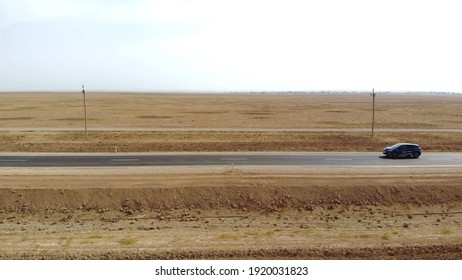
x=230 y=46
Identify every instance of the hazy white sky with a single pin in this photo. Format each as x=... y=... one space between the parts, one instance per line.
x=231 y=45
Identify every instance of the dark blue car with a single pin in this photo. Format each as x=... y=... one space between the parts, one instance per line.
x=402 y=150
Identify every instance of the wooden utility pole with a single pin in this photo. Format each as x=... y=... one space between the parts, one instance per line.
x=85 y=109
x=373 y=111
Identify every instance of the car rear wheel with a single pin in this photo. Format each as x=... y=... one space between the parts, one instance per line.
x=416 y=155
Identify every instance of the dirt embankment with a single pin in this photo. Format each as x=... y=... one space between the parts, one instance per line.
x=442 y=252
x=242 y=217
x=212 y=198
x=222 y=141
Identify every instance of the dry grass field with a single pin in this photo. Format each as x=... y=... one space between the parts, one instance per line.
x=228 y=212
x=64 y=111
x=119 y=110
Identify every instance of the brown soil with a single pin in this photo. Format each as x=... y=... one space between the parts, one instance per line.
x=228 y=213
x=222 y=141
x=232 y=214
x=252 y=111
x=65 y=110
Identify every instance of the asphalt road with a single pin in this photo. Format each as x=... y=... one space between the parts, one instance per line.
x=223 y=159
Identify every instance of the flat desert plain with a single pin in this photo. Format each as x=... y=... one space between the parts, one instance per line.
x=263 y=121
x=236 y=212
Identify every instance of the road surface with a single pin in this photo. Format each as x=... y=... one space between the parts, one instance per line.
x=223 y=159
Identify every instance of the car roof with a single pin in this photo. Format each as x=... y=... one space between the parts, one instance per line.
x=406 y=144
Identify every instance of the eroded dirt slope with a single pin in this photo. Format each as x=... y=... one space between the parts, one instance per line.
x=234 y=216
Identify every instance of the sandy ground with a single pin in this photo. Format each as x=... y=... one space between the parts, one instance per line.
x=177 y=112
x=225 y=212
x=223 y=141
x=231 y=213
x=229 y=110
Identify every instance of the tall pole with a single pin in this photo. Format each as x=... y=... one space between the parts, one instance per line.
x=373 y=111
x=85 y=109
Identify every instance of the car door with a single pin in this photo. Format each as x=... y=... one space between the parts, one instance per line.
x=407 y=150
x=401 y=150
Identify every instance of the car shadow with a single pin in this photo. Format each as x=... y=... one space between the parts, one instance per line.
x=398 y=158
